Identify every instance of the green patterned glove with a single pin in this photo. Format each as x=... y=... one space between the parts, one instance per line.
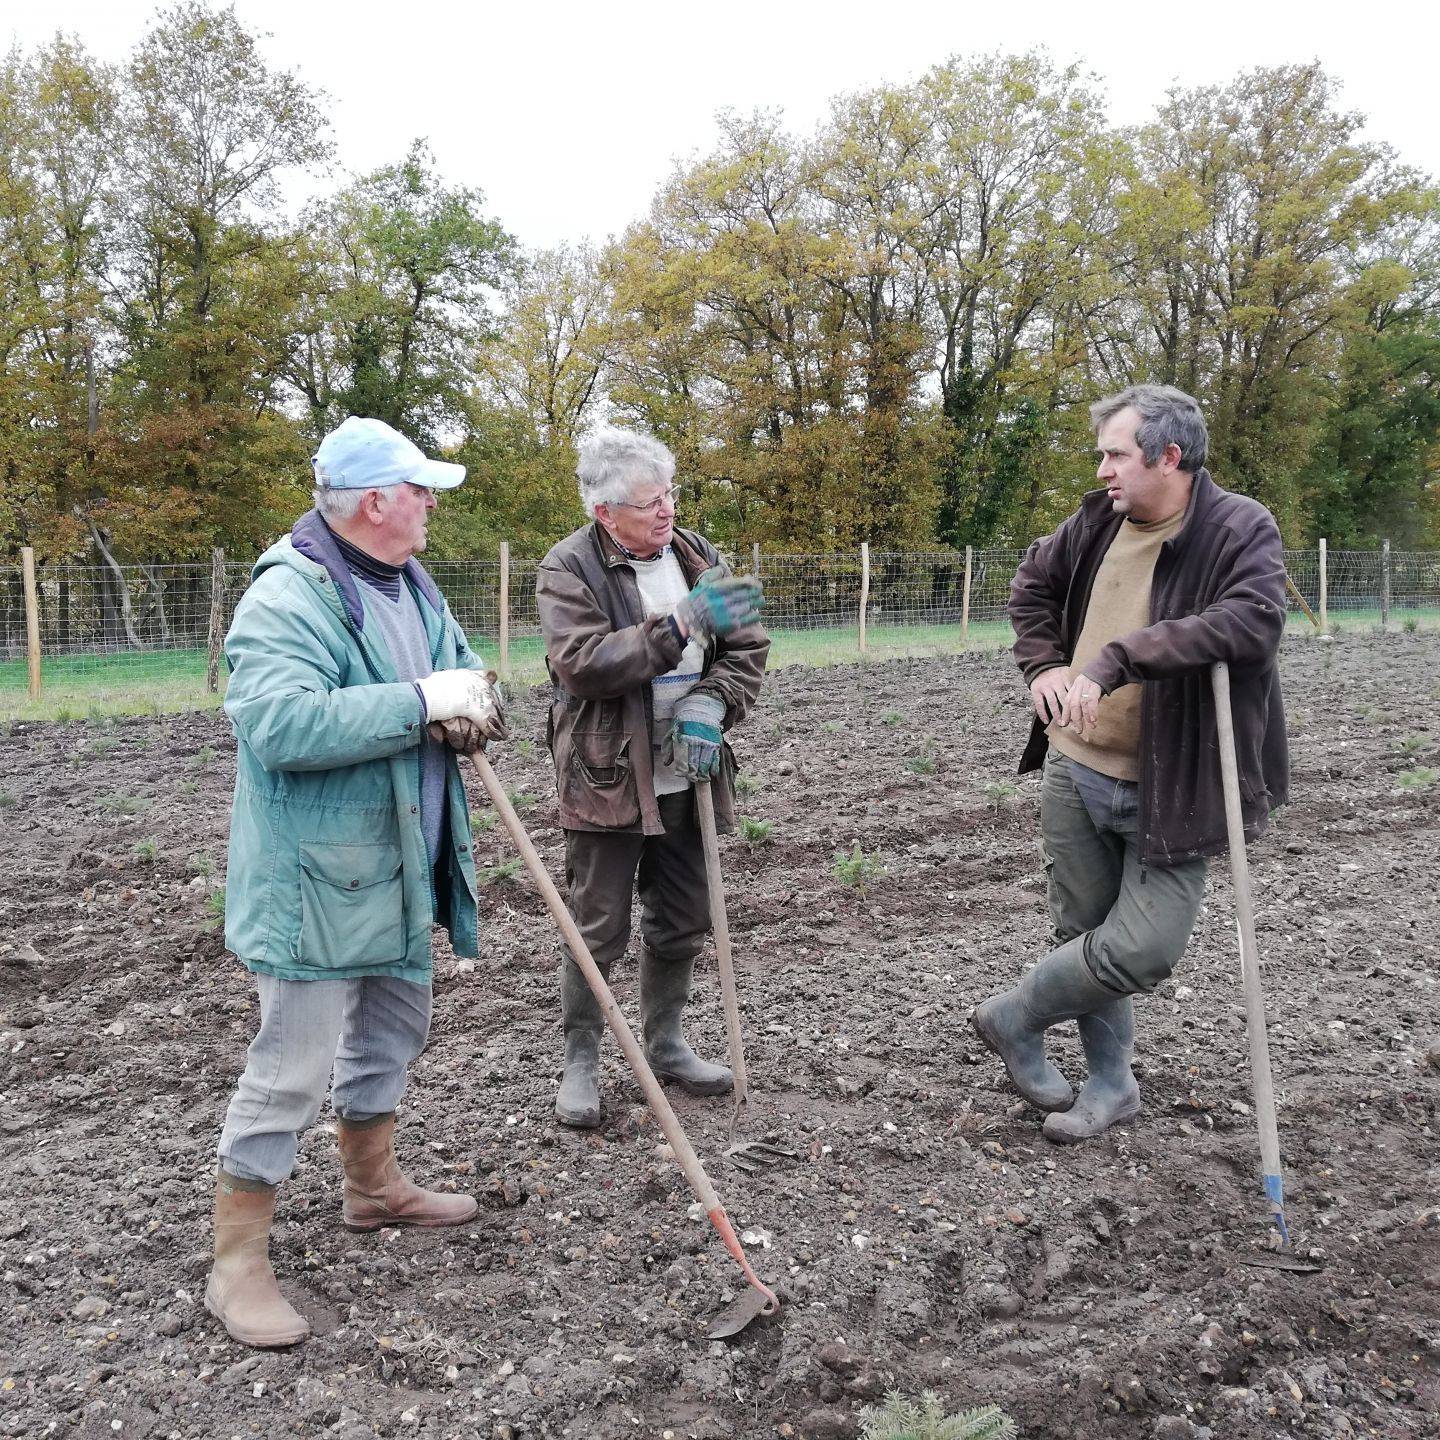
x=696 y=737
x=719 y=603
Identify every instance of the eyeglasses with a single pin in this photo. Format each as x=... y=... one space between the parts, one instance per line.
x=652 y=507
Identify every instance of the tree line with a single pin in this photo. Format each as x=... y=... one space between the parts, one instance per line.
x=887 y=329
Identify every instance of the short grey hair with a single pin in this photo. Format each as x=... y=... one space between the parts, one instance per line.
x=614 y=461
x=1167 y=417
x=342 y=504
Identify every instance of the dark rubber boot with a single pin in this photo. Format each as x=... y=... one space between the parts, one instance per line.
x=664 y=991
x=577 y=1102
x=1110 y=1096
x=1013 y=1025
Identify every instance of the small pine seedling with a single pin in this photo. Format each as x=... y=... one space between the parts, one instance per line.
x=522 y=800
x=124 y=804
x=7 y=799
x=902 y=1419
x=1000 y=793
x=1411 y=625
x=525 y=748
x=1412 y=744
x=483 y=819
x=891 y=717
x=502 y=873
x=857 y=868
x=203 y=756
x=924 y=762
x=215 y=908
x=754 y=832
x=200 y=864
x=1422 y=777
x=747 y=784
x=147 y=851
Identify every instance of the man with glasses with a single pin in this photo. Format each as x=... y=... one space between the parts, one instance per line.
x=654 y=650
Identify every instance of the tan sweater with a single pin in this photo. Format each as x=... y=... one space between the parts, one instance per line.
x=1119 y=604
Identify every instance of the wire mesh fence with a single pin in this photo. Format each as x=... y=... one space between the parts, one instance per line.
x=109 y=626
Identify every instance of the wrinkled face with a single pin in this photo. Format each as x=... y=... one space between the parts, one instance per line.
x=1143 y=492
x=642 y=531
x=401 y=521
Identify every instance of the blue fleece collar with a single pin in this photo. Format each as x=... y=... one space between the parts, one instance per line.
x=315 y=540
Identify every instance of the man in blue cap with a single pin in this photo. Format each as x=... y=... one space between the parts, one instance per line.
x=351 y=688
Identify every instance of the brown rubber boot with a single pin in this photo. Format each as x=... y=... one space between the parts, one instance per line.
x=377 y=1194
x=241 y=1292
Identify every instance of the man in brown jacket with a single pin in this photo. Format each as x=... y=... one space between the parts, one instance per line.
x=1118 y=616
x=654 y=650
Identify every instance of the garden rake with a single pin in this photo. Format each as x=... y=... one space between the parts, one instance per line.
x=747 y=1155
x=759 y=1299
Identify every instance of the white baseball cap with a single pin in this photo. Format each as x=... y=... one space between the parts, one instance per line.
x=363 y=454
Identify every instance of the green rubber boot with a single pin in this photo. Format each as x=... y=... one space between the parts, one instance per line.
x=664 y=992
x=1110 y=1095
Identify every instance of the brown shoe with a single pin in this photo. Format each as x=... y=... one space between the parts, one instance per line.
x=241 y=1292
x=377 y=1194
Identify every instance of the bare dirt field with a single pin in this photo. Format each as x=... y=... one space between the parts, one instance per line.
x=926 y=1236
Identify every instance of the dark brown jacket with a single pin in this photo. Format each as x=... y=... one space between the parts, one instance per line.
x=602 y=652
x=1218 y=594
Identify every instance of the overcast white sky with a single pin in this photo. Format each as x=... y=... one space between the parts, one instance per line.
x=569 y=116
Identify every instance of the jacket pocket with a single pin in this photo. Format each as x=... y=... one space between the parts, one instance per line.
x=598 y=783
x=352 y=905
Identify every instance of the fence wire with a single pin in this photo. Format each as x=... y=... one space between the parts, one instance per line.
x=159 y=618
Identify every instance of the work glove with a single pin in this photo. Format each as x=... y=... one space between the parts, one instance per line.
x=696 y=737
x=719 y=603
x=463 y=736
x=451 y=695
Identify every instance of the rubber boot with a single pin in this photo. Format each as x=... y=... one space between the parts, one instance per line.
x=577 y=1102
x=377 y=1193
x=241 y=1292
x=664 y=992
x=1110 y=1094
x=1013 y=1024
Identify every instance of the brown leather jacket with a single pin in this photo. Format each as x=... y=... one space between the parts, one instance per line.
x=602 y=652
x=1218 y=594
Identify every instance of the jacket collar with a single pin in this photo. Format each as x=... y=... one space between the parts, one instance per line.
x=315 y=540
x=692 y=562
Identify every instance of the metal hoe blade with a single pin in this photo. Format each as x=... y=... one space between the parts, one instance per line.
x=738 y=1314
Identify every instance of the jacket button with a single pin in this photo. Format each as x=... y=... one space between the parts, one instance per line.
x=354 y=884
x=414 y=809
x=464 y=849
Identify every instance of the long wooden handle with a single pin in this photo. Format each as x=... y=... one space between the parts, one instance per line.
x=1261 y=1076
x=720 y=921
x=685 y=1154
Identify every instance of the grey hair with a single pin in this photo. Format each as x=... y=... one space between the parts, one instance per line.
x=614 y=461
x=342 y=504
x=1167 y=417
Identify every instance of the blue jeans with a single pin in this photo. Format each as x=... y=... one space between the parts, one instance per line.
x=368 y=1031
x=1135 y=921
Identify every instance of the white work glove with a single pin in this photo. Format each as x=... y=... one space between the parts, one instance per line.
x=464 y=695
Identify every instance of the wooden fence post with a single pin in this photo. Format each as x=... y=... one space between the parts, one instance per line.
x=864 y=589
x=504 y=609
x=217 y=619
x=32 y=617
x=965 y=599
x=1324 y=588
x=1384 y=584
x=755 y=559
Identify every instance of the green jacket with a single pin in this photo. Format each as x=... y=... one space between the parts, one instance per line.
x=328 y=877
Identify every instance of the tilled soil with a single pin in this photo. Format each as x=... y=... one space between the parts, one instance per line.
x=925 y=1236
